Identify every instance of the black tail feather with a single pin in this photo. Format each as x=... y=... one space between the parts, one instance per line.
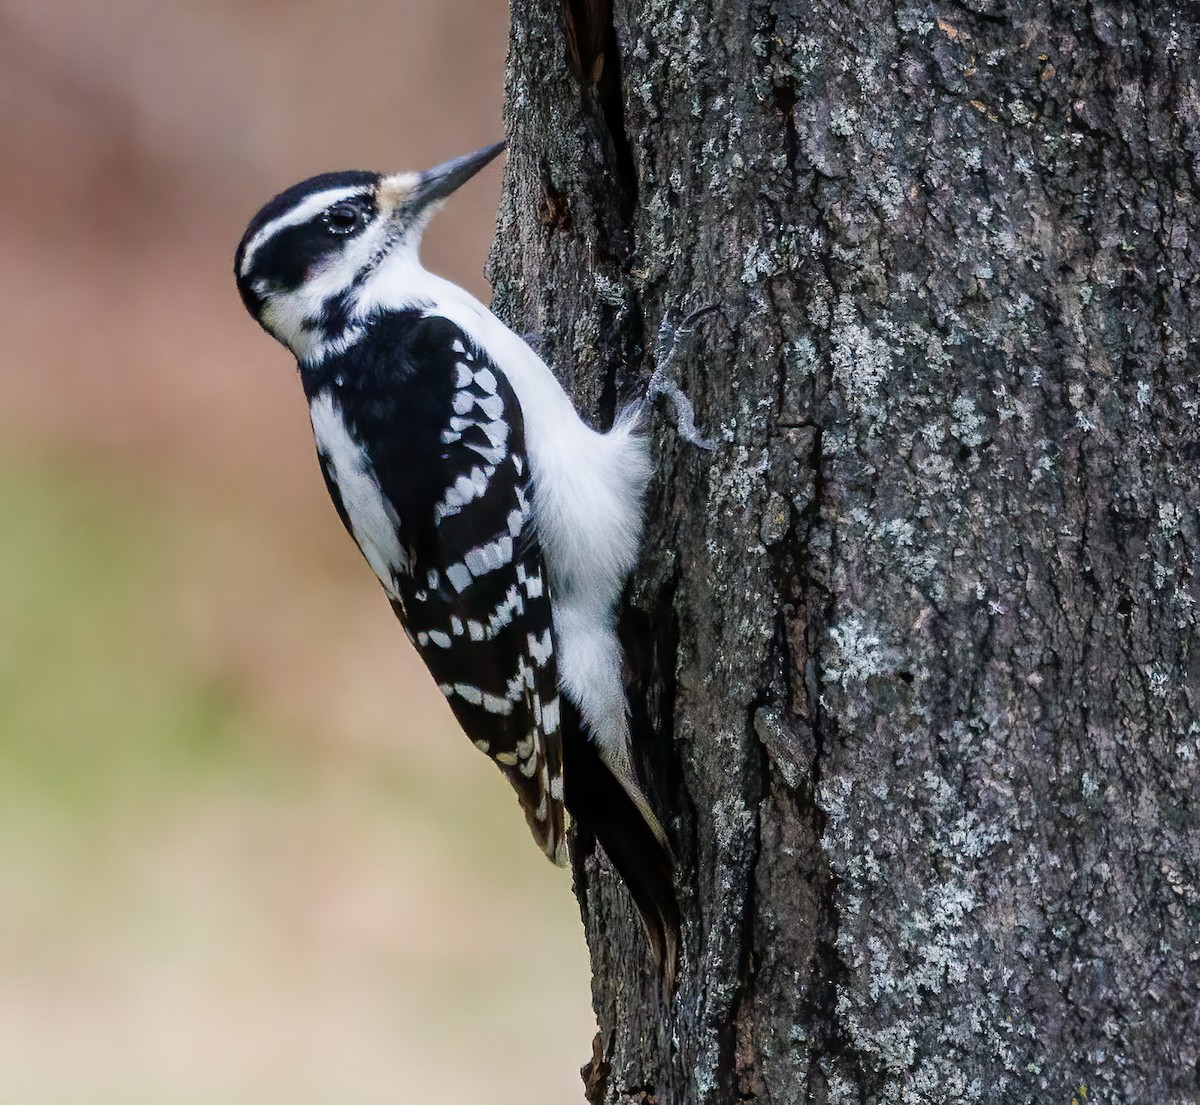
x=631 y=836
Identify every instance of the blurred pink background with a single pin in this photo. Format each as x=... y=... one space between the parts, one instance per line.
x=245 y=857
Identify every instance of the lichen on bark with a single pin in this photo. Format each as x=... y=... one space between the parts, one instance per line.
x=916 y=647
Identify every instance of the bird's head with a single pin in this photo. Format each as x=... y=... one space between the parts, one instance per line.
x=309 y=257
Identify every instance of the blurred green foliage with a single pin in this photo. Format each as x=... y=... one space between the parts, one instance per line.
x=95 y=706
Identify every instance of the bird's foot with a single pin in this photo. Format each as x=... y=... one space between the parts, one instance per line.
x=670 y=339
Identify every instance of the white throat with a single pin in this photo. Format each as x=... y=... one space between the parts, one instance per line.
x=362 y=279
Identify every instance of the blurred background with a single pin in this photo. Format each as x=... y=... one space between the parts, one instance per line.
x=245 y=857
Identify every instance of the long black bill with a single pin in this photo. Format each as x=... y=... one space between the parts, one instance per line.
x=437 y=183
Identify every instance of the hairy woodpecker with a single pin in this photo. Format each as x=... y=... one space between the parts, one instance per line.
x=500 y=525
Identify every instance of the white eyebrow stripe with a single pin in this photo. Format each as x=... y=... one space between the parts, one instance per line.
x=301 y=213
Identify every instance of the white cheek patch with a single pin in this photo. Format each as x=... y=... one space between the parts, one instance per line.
x=293 y=316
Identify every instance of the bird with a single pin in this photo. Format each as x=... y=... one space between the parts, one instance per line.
x=501 y=526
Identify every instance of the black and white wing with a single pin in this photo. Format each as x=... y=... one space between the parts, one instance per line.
x=438 y=499
x=478 y=605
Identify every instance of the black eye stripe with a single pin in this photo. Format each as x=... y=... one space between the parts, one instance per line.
x=298 y=193
x=286 y=257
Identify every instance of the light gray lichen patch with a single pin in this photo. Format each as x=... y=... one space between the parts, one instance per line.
x=858 y=652
x=800 y=360
x=862 y=361
x=844 y=121
x=966 y=422
x=935 y=938
x=742 y=478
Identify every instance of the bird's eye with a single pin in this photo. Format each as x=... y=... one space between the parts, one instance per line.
x=343 y=218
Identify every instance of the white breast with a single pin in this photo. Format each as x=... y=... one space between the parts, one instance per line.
x=373 y=521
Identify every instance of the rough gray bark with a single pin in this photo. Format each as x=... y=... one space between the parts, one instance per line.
x=919 y=642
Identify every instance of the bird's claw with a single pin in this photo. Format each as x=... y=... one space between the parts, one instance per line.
x=666 y=350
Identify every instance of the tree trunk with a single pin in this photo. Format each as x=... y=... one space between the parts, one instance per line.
x=918 y=643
